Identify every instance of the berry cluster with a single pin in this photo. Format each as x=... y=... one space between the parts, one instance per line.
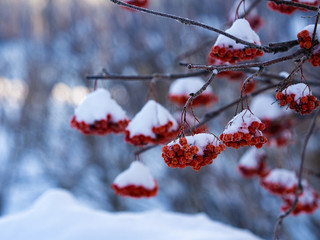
x=99 y=127
x=315 y=59
x=135 y=191
x=161 y=135
x=138 y=3
x=282 y=8
x=205 y=99
x=244 y=130
x=307 y=202
x=249 y=87
x=232 y=56
x=277 y=131
x=135 y=182
x=280 y=181
x=252 y=163
x=231 y=75
x=304 y=39
x=255 y=22
x=194 y=151
x=299 y=98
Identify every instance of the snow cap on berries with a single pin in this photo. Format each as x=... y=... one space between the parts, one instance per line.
x=240 y=122
x=299 y=90
x=151 y=115
x=188 y=85
x=200 y=140
x=252 y=158
x=264 y=108
x=280 y=181
x=137 y=174
x=240 y=29
x=97 y=105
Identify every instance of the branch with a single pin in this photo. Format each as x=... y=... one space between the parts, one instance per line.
x=188 y=21
x=242 y=66
x=170 y=76
x=299 y=188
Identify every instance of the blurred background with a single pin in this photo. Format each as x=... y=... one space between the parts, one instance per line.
x=48 y=47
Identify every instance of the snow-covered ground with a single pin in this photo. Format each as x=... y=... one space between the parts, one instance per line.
x=57 y=215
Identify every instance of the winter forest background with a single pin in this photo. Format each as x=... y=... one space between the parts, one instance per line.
x=48 y=47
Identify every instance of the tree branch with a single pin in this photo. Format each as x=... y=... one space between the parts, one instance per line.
x=299 y=188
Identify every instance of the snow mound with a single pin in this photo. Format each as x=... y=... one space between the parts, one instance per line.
x=58 y=216
x=282 y=177
x=188 y=85
x=240 y=29
x=97 y=105
x=252 y=157
x=151 y=115
x=137 y=174
x=299 y=90
x=240 y=122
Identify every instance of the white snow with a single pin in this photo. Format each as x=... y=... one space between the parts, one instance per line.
x=201 y=140
x=97 y=105
x=240 y=29
x=252 y=157
x=137 y=174
x=299 y=90
x=151 y=115
x=283 y=177
x=241 y=122
x=264 y=107
x=185 y=86
x=56 y=215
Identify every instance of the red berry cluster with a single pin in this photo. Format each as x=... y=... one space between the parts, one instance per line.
x=245 y=136
x=184 y=154
x=282 y=8
x=205 y=99
x=255 y=22
x=259 y=169
x=135 y=191
x=249 y=87
x=304 y=39
x=100 y=127
x=284 y=183
x=138 y=3
x=234 y=55
x=163 y=134
x=315 y=59
x=277 y=131
x=231 y=75
x=305 y=105
x=306 y=204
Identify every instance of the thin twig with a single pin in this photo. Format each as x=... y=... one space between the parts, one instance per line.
x=188 y=21
x=299 y=188
x=170 y=76
x=236 y=67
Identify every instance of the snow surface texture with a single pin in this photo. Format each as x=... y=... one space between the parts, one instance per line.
x=299 y=90
x=264 y=107
x=56 y=215
x=283 y=177
x=252 y=157
x=241 y=122
x=185 y=86
x=137 y=174
x=151 y=115
x=240 y=29
x=200 y=140
x=97 y=105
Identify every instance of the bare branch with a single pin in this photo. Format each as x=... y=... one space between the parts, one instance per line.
x=299 y=188
x=188 y=21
